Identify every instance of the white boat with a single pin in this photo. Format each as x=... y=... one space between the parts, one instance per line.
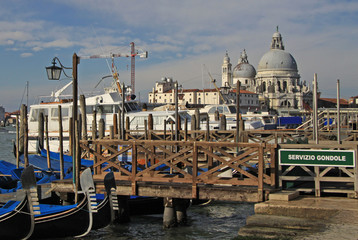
x=105 y=105
x=253 y=120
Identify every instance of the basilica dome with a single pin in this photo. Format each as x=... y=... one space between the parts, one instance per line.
x=244 y=69
x=277 y=59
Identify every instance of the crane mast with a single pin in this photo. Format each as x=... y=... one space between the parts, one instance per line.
x=133 y=54
x=115 y=74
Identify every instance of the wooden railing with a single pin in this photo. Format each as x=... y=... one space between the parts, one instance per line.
x=186 y=162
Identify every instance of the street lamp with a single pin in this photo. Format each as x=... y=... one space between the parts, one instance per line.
x=54 y=73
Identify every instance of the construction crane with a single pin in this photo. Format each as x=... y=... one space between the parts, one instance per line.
x=114 y=70
x=216 y=87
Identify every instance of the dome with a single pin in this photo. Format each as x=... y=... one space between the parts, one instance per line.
x=244 y=70
x=226 y=58
x=277 y=59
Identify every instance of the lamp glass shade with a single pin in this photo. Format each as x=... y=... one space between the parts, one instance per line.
x=53 y=72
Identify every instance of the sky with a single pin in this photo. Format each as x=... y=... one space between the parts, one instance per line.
x=185 y=40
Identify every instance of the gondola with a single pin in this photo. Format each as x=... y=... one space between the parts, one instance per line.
x=16 y=217
x=103 y=215
x=55 y=221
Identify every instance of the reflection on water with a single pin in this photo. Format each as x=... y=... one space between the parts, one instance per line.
x=217 y=220
x=7 y=135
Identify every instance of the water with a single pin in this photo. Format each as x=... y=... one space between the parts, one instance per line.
x=215 y=220
x=7 y=135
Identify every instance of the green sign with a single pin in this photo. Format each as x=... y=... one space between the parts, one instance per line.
x=334 y=158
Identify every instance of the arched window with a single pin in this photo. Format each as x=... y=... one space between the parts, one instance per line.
x=284 y=85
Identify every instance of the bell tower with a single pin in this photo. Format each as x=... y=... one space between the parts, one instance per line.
x=226 y=79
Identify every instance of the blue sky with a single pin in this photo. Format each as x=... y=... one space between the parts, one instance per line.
x=180 y=37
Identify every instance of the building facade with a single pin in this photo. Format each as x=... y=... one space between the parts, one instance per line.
x=277 y=81
x=163 y=93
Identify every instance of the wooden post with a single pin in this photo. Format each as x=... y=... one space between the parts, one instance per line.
x=26 y=142
x=84 y=118
x=23 y=114
x=207 y=135
x=94 y=125
x=197 y=119
x=111 y=132
x=238 y=119
x=127 y=128
x=134 y=169
x=70 y=137
x=101 y=129
x=315 y=99
x=261 y=174
x=60 y=132
x=193 y=126
x=194 y=191
x=338 y=115
x=123 y=112
x=94 y=136
x=146 y=129
x=356 y=173
x=222 y=122
x=120 y=126
x=41 y=130
x=186 y=129
x=150 y=126
x=77 y=155
x=17 y=142
x=176 y=112
x=47 y=143
x=115 y=124
x=317 y=185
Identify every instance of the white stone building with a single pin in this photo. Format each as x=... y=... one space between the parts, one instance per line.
x=163 y=93
x=277 y=81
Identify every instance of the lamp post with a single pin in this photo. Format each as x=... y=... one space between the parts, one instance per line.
x=54 y=73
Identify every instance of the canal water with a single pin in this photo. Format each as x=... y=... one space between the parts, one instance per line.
x=213 y=220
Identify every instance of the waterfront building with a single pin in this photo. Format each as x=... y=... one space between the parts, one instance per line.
x=277 y=81
x=276 y=85
x=163 y=93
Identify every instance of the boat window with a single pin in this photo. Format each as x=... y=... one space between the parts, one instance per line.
x=212 y=110
x=105 y=109
x=184 y=115
x=225 y=110
x=36 y=112
x=232 y=109
x=159 y=120
x=89 y=109
x=54 y=113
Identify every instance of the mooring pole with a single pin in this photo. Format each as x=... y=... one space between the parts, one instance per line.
x=60 y=131
x=47 y=143
x=338 y=114
x=176 y=111
x=315 y=99
x=237 y=139
x=75 y=62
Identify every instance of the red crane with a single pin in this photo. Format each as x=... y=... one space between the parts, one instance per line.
x=133 y=54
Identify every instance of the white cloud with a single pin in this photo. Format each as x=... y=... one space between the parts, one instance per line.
x=26 y=55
